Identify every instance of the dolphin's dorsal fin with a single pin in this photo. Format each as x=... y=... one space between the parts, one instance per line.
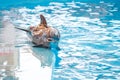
x=43 y=21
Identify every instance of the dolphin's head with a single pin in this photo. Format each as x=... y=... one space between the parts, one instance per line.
x=44 y=34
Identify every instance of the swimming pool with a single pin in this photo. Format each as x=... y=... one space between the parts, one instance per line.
x=90 y=36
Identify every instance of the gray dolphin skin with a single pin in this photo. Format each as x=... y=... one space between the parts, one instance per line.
x=43 y=35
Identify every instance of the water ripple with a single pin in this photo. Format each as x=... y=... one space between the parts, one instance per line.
x=89 y=41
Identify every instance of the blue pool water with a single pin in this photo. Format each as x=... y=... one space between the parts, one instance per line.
x=90 y=36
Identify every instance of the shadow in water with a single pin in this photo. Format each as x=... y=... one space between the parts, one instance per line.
x=48 y=57
x=57 y=58
x=45 y=56
x=55 y=49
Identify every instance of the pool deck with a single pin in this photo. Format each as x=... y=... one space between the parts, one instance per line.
x=24 y=66
x=30 y=67
x=25 y=62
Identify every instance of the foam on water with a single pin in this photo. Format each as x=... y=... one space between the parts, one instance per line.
x=89 y=42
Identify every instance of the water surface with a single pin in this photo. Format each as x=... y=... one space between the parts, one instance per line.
x=90 y=37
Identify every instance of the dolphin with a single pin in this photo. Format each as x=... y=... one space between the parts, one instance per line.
x=43 y=35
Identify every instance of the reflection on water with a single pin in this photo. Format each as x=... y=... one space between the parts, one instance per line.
x=44 y=55
x=57 y=58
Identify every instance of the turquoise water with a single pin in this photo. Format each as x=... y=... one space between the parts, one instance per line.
x=90 y=36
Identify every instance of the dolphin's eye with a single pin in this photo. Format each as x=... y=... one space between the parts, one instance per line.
x=50 y=39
